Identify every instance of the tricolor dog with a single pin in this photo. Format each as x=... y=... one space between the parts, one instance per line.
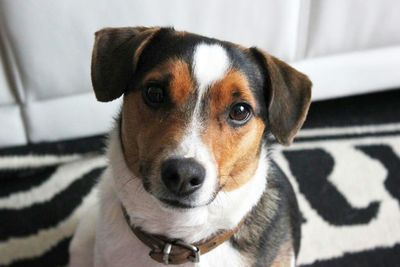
x=189 y=180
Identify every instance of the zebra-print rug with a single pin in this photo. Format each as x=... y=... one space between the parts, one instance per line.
x=344 y=167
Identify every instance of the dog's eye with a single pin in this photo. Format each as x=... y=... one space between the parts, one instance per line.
x=154 y=95
x=240 y=113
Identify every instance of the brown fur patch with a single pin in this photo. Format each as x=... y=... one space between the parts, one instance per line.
x=234 y=149
x=143 y=142
x=180 y=84
x=232 y=88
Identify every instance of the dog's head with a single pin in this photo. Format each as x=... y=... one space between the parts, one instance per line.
x=195 y=109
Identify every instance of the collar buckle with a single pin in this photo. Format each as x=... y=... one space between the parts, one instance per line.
x=195 y=257
x=165 y=252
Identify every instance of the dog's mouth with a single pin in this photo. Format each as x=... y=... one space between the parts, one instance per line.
x=186 y=203
x=178 y=204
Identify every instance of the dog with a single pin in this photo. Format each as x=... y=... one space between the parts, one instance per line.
x=190 y=181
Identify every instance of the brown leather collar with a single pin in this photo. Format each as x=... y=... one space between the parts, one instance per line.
x=174 y=251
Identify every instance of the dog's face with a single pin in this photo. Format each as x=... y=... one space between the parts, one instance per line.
x=195 y=110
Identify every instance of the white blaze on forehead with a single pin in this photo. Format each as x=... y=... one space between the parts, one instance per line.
x=210 y=63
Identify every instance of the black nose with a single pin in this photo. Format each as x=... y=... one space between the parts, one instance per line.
x=182 y=176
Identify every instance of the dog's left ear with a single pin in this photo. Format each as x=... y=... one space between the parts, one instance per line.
x=289 y=95
x=115 y=55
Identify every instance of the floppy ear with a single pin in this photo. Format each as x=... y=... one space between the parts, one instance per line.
x=289 y=96
x=115 y=55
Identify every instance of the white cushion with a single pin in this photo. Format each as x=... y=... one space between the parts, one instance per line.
x=342 y=26
x=357 y=72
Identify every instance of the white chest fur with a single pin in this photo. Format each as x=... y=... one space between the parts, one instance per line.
x=117 y=246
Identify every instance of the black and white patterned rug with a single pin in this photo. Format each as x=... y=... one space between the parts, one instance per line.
x=344 y=166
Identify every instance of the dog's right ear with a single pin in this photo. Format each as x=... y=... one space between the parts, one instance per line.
x=115 y=55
